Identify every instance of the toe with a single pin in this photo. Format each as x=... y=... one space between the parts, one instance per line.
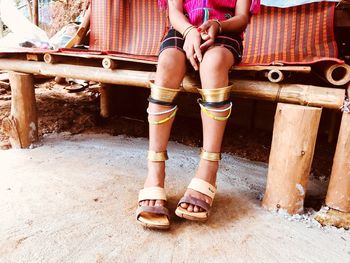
x=146 y=203
x=196 y=209
x=190 y=208
x=201 y=209
x=184 y=205
x=159 y=203
x=152 y=202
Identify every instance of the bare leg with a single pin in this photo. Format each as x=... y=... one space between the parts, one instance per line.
x=214 y=70
x=170 y=73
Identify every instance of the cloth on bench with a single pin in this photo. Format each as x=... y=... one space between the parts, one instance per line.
x=295 y=35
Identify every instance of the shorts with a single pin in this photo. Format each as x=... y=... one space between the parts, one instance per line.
x=231 y=41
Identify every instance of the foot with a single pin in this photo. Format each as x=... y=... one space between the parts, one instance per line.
x=155 y=177
x=206 y=171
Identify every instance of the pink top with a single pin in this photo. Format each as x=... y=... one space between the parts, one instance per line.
x=199 y=11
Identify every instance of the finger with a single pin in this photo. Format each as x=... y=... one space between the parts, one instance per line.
x=194 y=63
x=205 y=36
x=190 y=57
x=212 y=32
x=198 y=53
x=204 y=26
x=207 y=44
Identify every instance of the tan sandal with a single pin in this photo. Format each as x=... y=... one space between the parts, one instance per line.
x=200 y=186
x=156 y=217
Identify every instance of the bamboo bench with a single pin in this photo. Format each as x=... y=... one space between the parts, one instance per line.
x=294 y=135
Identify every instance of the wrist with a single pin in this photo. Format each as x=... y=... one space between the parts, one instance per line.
x=187 y=30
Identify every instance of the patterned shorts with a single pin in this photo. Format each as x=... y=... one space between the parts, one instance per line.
x=232 y=42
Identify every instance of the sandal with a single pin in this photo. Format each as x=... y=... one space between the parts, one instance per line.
x=200 y=186
x=156 y=217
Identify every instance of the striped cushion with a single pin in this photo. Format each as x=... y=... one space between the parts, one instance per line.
x=127 y=26
x=301 y=34
x=295 y=35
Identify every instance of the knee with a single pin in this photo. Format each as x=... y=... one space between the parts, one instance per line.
x=217 y=59
x=171 y=60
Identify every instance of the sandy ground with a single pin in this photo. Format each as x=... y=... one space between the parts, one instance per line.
x=72 y=199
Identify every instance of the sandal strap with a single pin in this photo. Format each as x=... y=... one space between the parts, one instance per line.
x=195 y=201
x=203 y=187
x=159 y=210
x=152 y=193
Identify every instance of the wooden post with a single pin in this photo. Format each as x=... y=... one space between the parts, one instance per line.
x=105 y=93
x=36 y=12
x=338 y=195
x=292 y=150
x=24 y=120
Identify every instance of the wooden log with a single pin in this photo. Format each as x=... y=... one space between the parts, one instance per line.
x=108 y=63
x=331 y=98
x=292 y=150
x=55 y=59
x=23 y=119
x=337 y=74
x=36 y=12
x=34 y=57
x=303 y=69
x=105 y=90
x=338 y=195
x=275 y=76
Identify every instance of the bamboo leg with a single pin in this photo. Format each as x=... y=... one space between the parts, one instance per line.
x=105 y=93
x=22 y=125
x=292 y=150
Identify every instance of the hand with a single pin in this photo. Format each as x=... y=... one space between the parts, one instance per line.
x=192 y=47
x=209 y=30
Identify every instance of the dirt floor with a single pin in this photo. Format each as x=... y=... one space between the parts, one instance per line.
x=73 y=198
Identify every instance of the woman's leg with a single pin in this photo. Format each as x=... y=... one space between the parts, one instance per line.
x=170 y=73
x=214 y=70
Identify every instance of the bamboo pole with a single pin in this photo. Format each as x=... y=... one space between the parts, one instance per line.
x=22 y=125
x=337 y=74
x=292 y=93
x=108 y=63
x=292 y=149
x=36 y=12
x=82 y=30
x=275 y=76
x=105 y=100
x=303 y=69
x=338 y=195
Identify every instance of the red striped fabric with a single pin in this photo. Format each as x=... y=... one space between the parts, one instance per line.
x=127 y=26
x=295 y=35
